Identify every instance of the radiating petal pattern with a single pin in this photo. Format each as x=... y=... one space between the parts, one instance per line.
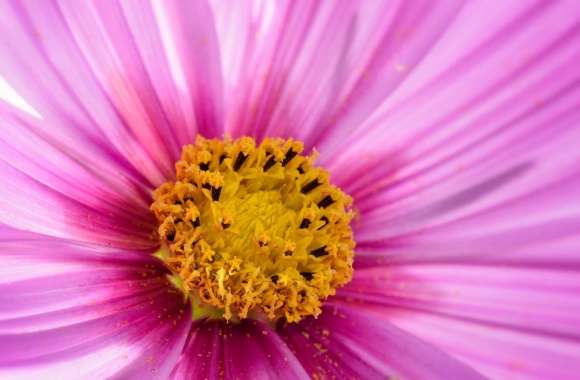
x=69 y=312
x=52 y=190
x=251 y=349
x=454 y=126
x=467 y=189
x=347 y=343
x=122 y=87
x=470 y=120
x=281 y=84
x=506 y=277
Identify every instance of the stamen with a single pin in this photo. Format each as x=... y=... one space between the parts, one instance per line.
x=310 y=186
x=325 y=220
x=289 y=156
x=319 y=252
x=238 y=240
x=215 y=193
x=240 y=161
x=325 y=202
x=271 y=162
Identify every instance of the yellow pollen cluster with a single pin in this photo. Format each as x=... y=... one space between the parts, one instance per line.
x=254 y=231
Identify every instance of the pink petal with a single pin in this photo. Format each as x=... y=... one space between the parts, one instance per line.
x=518 y=230
x=250 y=349
x=447 y=129
x=77 y=194
x=469 y=216
x=349 y=343
x=97 y=72
x=497 y=352
x=69 y=311
x=281 y=84
x=507 y=304
x=120 y=92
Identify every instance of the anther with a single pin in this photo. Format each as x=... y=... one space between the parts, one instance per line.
x=240 y=161
x=325 y=202
x=271 y=162
x=325 y=220
x=204 y=166
x=319 y=252
x=289 y=156
x=307 y=276
x=215 y=193
x=310 y=186
x=305 y=223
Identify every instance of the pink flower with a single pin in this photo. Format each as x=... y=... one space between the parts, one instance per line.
x=454 y=127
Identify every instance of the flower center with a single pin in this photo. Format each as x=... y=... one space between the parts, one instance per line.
x=254 y=231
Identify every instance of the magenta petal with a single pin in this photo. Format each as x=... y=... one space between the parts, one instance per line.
x=519 y=231
x=120 y=87
x=446 y=131
x=348 y=343
x=512 y=318
x=36 y=196
x=250 y=349
x=498 y=352
x=279 y=83
x=124 y=81
x=68 y=311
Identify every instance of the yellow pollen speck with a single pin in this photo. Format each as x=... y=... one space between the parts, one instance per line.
x=254 y=230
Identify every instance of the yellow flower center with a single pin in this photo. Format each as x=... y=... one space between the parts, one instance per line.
x=254 y=231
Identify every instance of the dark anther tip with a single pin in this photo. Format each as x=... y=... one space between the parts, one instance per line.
x=307 y=276
x=310 y=186
x=271 y=162
x=204 y=166
x=225 y=225
x=196 y=223
x=325 y=220
x=240 y=161
x=171 y=235
x=274 y=278
x=325 y=202
x=305 y=223
x=319 y=252
x=289 y=156
x=215 y=193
